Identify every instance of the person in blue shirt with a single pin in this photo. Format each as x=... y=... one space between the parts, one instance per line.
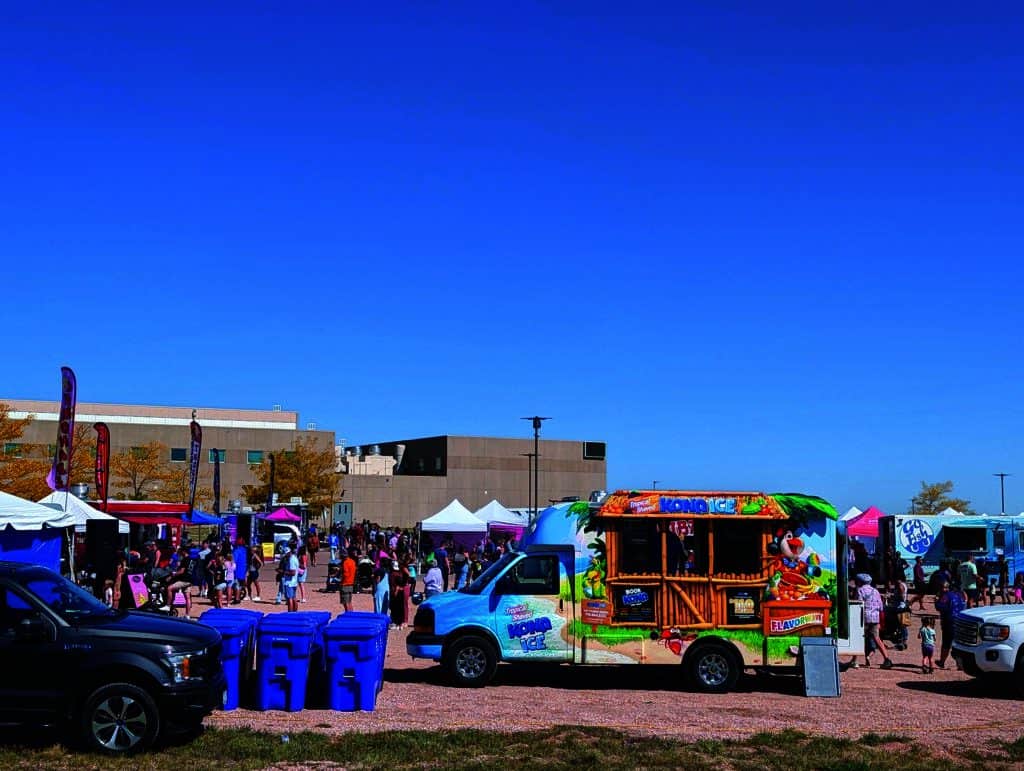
x=950 y=602
x=241 y=557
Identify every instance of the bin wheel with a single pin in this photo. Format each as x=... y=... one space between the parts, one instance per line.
x=120 y=719
x=471 y=661
x=713 y=668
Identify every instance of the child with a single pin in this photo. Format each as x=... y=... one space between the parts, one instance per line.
x=927 y=635
x=992 y=592
x=108 y=592
x=1018 y=589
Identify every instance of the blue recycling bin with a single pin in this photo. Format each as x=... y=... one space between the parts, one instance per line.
x=250 y=617
x=234 y=655
x=383 y=623
x=285 y=648
x=351 y=651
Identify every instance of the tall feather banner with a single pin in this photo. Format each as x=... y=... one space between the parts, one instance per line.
x=102 y=462
x=59 y=477
x=193 y=469
x=216 y=481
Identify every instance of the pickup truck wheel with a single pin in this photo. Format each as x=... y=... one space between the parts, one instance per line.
x=471 y=661
x=713 y=668
x=120 y=719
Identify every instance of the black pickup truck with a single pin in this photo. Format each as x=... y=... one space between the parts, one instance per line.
x=115 y=679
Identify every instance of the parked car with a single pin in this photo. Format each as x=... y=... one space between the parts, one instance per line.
x=989 y=641
x=118 y=680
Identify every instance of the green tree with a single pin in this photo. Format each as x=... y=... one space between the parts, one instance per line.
x=935 y=497
x=307 y=471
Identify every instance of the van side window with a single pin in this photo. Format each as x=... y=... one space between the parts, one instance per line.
x=534 y=575
x=13 y=610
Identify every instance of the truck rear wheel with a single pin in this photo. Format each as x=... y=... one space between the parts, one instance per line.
x=713 y=668
x=471 y=661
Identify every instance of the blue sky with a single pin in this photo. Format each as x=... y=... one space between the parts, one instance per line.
x=747 y=246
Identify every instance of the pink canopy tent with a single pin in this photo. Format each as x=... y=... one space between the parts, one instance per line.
x=282 y=515
x=866 y=524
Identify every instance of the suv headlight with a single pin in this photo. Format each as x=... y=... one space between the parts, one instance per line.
x=994 y=632
x=181 y=666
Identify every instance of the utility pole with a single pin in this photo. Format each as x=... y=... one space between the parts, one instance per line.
x=537 y=421
x=1002 y=491
x=654 y=484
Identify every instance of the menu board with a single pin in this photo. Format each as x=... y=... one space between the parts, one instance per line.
x=742 y=606
x=635 y=605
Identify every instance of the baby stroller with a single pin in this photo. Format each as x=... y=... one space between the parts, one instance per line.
x=364 y=575
x=333 y=576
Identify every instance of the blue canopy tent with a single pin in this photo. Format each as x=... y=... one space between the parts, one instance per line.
x=202 y=518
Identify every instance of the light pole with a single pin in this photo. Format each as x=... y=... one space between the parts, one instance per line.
x=529 y=482
x=1002 y=491
x=654 y=484
x=537 y=421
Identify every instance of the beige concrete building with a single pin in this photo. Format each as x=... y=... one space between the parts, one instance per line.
x=403 y=482
x=243 y=437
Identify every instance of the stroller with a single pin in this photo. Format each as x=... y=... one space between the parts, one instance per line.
x=333 y=576
x=364 y=575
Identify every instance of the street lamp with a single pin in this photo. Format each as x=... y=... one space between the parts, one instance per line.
x=1002 y=491
x=536 y=421
x=654 y=484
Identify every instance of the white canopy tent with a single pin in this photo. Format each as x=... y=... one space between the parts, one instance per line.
x=496 y=514
x=80 y=510
x=950 y=512
x=453 y=518
x=852 y=513
x=19 y=514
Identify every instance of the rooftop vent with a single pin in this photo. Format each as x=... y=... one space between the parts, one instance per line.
x=311 y=426
x=277 y=408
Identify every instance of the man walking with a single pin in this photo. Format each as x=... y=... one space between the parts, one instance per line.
x=290 y=582
x=969 y=580
x=348 y=579
x=872 y=616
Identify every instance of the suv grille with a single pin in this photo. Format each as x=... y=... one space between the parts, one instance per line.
x=208 y=665
x=965 y=631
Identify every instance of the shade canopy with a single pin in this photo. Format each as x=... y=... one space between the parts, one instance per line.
x=148 y=512
x=866 y=525
x=282 y=515
x=453 y=518
x=18 y=514
x=949 y=511
x=852 y=513
x=496 y=514
x=79 y=509
x=202 y=518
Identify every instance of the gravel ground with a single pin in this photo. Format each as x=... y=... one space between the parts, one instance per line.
x=943 y=710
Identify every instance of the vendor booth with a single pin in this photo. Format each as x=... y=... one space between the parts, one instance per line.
x=81 y=511
x=454 y=522
x=31 y=532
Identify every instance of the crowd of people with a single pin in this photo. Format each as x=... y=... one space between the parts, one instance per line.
x=955 y=586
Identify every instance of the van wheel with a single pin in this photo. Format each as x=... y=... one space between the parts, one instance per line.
x=471 y=661
x=713 y=668
x=120 y=719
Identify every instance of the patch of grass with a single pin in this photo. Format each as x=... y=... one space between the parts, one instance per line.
x=560 y=747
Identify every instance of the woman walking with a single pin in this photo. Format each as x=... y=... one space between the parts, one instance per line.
x=381 y=590
x=252 y=579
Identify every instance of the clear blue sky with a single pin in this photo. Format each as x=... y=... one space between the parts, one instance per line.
x=748 y=245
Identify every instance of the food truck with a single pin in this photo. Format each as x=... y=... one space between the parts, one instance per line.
x=946 y=538
x=715 y=581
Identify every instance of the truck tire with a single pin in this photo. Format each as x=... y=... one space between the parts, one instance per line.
x=471 y=661
x=119 y=719
x=1018 y=673
x=713 y=668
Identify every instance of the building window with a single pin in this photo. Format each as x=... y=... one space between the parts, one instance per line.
x=999 y=539
x=213 y=456
x=437 y=464
x=179 y=454
x=254 y=457
x=12 y=449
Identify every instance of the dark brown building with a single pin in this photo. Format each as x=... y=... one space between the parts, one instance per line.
x=243 y=437
x=403 y=482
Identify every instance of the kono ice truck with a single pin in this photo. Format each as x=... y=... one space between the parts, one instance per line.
x=716 y=581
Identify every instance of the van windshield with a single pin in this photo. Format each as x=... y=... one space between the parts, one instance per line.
x=485 y=578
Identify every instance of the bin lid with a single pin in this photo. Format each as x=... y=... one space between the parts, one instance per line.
x=297 y=627
x=320 y=617
x=351 y=631
x=227 y=626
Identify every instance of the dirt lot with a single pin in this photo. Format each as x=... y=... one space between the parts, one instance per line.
x=943 y=709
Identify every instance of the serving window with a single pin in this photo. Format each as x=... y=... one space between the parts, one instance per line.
x=739 y=547
x=639 y=547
